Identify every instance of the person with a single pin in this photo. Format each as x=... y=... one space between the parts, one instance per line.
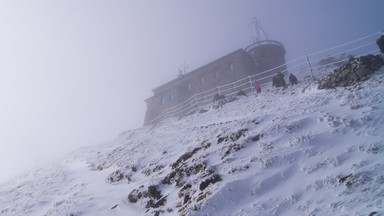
x=257 y=87
x=275 y=83
x=280 y=79
x=218 y=101
x=292 y=79
x=241 y=93
x=380 y=43
x=218 y=97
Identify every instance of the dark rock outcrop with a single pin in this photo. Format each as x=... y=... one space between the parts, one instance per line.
x=153 y=192
x=351 y=73
x=212 y=180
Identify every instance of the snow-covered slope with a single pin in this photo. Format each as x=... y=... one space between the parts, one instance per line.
x=298 y=151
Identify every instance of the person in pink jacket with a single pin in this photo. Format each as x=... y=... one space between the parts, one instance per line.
x=257 y=87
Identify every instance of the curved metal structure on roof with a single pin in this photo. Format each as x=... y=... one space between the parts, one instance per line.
x=263 y=43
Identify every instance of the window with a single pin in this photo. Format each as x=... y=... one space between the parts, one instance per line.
x=202 y=81
x=171 y=96
x=217 y=74
x=231 y=67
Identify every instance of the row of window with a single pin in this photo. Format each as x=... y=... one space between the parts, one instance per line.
x=171 y=96
x=216 y=75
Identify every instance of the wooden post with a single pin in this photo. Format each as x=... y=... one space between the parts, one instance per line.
x=310 y=67
x=196 y=102
x=250 y=82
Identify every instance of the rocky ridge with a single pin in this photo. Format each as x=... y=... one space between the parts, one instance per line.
x=357 y=70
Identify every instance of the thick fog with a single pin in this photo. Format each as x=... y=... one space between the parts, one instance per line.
x=76 y=73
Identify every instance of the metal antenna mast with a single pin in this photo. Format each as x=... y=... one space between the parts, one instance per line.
x=183 y=69
x=256 y=31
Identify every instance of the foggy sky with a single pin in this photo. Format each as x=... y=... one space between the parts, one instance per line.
x=76 y=73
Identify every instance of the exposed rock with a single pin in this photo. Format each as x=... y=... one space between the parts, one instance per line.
x=357 y=179
x=215 y=178
x=182 y=193
x=257 y=137
x=153 y=192
x=185 y=157
x=201 y=197
x=186 y=198
x=170 y=177
x=233 y=136
x=241 y=93
x=134 y=196
x=220 y=100
x=157 y=213
x=232 y=148
x=351 y=73
x=134 y=169
x=343 y=179
x=152 y=204
x=116 y=176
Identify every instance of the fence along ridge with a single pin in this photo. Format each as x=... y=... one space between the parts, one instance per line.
x=180 y=108
x=356 y=48
x=374 y=51
x=351 y=42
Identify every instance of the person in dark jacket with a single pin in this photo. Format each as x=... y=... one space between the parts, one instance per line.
x=218 y=101
x=218 y=97
x=280 y=79
x=275 y=83
x=292 y=79
x=380 y=43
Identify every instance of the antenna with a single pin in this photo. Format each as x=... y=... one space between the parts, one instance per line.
x=183 y=69
x=257 y=31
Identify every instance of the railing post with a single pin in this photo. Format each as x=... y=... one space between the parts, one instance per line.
x=310 y=67
x=250 y=82
x=196 y=102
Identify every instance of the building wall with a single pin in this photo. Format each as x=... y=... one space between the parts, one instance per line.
x=268 y=56
x=220 y=73
x=164 y=100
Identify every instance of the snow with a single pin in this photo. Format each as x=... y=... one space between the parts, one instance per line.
x=297 y=151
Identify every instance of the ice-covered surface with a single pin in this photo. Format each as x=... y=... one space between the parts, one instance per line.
x=298 y=151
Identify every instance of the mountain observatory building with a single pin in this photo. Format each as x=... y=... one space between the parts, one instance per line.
x=226 y=76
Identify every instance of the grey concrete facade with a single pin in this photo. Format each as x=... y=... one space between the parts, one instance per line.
x=255 y=59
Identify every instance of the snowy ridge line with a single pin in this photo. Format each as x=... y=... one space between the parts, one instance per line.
x=202 y=98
